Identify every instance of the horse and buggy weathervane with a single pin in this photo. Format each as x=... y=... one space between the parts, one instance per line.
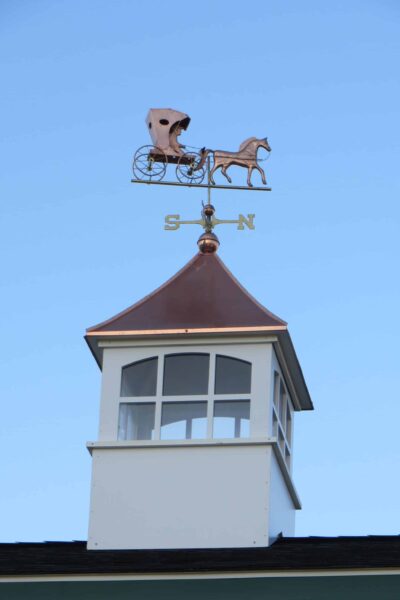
x=194 y=167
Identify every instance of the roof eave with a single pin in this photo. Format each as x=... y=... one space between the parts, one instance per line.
x=290 y=364
x=95 y=350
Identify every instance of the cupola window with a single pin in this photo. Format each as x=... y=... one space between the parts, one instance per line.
x=282 y=413
x=184 y=420
x=231 y=418
x=136 y=421
x=140 y=378
x=186 y=374
x=185 y=396
x=232 y=376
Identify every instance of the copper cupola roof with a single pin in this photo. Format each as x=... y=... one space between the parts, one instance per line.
x=203 y=295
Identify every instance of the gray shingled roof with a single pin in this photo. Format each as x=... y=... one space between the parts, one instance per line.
x=286 y=554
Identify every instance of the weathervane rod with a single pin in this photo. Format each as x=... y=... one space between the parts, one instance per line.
x=208 y=180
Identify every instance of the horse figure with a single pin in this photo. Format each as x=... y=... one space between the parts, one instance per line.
x=245 y=157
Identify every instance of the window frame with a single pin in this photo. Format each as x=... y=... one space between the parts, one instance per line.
x=211 y=397
x=281 y=425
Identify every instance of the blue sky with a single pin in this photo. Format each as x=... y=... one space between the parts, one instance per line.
x=80 y=242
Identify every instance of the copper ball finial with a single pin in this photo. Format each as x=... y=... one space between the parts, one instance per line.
x=208 y=243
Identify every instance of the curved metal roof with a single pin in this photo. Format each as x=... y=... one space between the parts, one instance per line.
x=202 y=295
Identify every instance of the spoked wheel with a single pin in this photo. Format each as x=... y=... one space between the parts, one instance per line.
x=149 y=163
x=189 y=170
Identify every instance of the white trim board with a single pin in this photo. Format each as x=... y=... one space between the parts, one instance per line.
x=189 y=576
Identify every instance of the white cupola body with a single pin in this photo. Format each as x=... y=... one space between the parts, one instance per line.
x=200 y=384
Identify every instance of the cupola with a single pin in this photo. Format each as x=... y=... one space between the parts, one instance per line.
x=200 y=384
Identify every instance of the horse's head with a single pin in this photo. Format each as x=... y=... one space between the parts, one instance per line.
x=263 y=143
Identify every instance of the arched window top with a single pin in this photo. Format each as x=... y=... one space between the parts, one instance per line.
x=186 y=374
x=140 y=378
x=232 y=375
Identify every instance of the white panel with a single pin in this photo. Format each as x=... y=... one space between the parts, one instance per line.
x=179 y=497
x=281 y=509
x=261 y=395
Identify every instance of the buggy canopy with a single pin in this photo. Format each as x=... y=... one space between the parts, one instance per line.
x=165 y=125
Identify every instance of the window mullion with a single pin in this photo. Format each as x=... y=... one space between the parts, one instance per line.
x=210 y=399
x=211 y=375
x=160 y=374
x=210 y=416
x=157 y=420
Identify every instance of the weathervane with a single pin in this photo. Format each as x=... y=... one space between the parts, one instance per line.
x=150 y=164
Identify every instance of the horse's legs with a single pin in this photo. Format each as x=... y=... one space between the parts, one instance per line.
x=215 y=167
x=224 y=169
x=249 y=172
x=262 y=174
